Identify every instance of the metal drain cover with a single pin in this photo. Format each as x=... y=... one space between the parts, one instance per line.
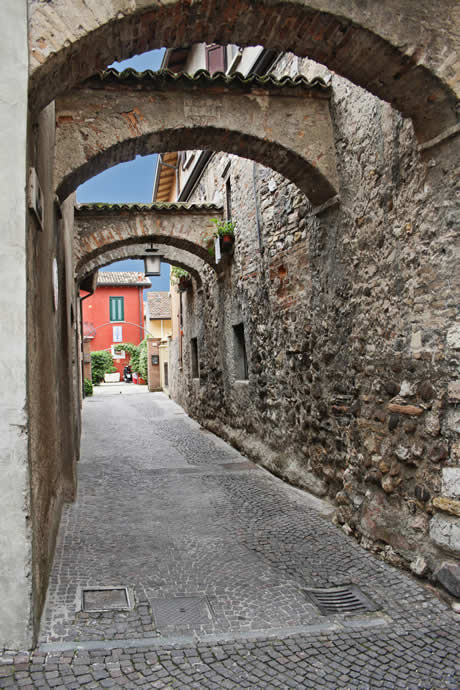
x=100 y=599
x=343 y=599
x=181 y=611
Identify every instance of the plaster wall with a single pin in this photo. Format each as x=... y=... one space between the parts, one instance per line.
x=53 y=399
x=153 y=370
x=160 y=328
x=15 y=535
x=351 y=322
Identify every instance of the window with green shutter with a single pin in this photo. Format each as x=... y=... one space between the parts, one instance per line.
x=117 y=308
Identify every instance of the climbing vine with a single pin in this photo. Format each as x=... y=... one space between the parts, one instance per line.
x=138 y=356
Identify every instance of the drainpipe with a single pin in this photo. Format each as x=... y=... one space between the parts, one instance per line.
x=141 y=314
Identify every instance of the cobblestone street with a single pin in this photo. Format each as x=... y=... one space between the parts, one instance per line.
x=217 y=557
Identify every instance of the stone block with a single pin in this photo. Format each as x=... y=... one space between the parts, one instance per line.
x=447 y=505
x=451 y=482
x=432 y=424
x=399 y=405
x=453 y=420
x=419 y=566
x=445 y=533
x=453 y=336
x=454 y=391
x=448 y=575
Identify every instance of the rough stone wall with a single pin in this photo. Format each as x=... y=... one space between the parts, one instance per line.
x=352 y=331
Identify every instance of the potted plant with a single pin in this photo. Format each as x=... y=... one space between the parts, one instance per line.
x=225 y=231
x=182 y=278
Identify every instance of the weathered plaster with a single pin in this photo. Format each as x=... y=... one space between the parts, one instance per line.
x=115 y=118
x=15 y=535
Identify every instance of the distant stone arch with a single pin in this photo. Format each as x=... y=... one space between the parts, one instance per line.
x=401 y=52
x=285 y=125
x=171 y=255
x=182 y=231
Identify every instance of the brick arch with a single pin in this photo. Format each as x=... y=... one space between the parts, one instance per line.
x=395 y=50
x=171 y=255
x=182 y=230
x=285 y=125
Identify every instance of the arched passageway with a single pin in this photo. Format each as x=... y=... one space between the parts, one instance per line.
x=169 y=254
x=397 y=52
x=107 y=227
x=284 y=125
x=382 y=319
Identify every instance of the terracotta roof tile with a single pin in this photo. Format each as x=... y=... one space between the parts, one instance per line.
x=171 y=207
x=133 y=278
x=159 y=305
x=164 y=79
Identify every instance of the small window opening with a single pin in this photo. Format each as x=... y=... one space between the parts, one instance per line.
x=166 y=374
x=228 y=199
x=194 y=354
x=239 y=353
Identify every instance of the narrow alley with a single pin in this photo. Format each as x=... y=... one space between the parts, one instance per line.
x=218 y=559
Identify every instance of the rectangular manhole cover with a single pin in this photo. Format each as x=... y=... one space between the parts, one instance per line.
x=181 y=611
x=343 y=599
x=99 y=599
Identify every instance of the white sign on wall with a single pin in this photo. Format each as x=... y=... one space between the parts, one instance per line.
x=117 y=334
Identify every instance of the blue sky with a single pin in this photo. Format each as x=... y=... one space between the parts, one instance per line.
x=129 y=182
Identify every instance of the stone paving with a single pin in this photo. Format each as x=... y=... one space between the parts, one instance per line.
x=217 y=555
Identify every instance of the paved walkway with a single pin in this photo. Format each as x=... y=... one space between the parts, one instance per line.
x=217 y=558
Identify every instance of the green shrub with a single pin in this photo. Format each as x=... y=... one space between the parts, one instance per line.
x=138 y=357
x=223 y=227
x=88 y=387
x=133 y=351
x=178 y=273
x=101 y=363
x=143 y=360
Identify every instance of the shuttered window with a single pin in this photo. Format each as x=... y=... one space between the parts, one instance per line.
x=117 y=308
x=215 y=59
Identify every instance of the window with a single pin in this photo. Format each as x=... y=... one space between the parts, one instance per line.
x=166 y=374
x=117 y=334
x=215 y=58
x=239 y=353
x=194 y=355
x=117 y=308
x=228 y=199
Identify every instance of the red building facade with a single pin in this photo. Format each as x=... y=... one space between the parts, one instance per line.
x=115 y=312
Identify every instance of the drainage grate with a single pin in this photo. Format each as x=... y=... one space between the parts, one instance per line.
x=100 y=599
x=344 y=599
x=181 y=611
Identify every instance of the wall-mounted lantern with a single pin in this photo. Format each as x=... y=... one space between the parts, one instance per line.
x=152 y=264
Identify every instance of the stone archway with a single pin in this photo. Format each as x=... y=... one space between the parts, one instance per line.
x=171 y=255
x=396 y=52
x=102 y=228
x=285 y=125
